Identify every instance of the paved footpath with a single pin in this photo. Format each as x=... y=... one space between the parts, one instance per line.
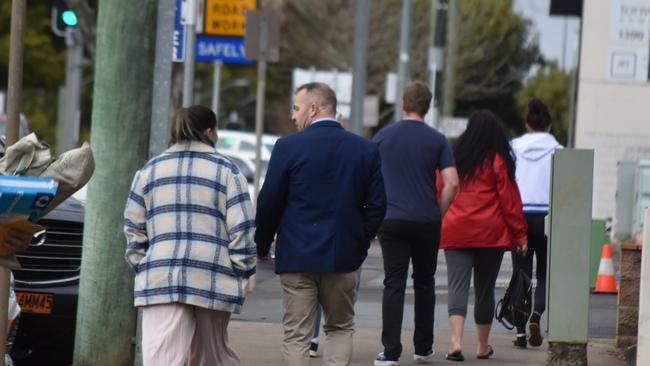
x=259 y=344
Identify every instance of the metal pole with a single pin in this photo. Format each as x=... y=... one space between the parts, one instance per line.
x=190 y=53
x=449 y=92
x=216 y=87
x=15 y=90
x=572 y=108
x=69 y=126
x=259 y=107
x=403 y=57
x=432 y=64
x=432 y=117
x=360 y=59
x=564 y=44
x=162 y=74
x=15 y=80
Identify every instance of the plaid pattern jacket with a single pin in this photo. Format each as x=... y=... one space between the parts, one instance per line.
x=189 y=225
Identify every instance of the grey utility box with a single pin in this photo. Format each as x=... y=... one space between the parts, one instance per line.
x=632 y=196
x=641 y=195
x=624 y=198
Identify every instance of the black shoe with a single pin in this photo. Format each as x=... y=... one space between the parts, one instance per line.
x=520 y=342
x=455 y=356
x=313 y=349
x=486 y=356
x=536 y=338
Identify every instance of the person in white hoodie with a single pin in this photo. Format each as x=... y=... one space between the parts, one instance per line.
x=533 y=153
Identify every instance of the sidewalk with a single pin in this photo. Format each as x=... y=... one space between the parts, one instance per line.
x=260 y=344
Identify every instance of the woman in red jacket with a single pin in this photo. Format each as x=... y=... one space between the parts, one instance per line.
x=484 y=221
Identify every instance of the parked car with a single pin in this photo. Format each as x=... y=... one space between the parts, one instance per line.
x=243 y=143
x=246 y=165
x=47 y=288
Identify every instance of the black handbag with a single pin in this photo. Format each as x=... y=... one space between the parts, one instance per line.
x=514 y=309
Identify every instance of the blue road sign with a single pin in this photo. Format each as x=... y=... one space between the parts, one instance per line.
x=179 y=35
x=226 y=49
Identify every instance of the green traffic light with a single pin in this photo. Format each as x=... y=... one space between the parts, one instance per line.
x=69 y=18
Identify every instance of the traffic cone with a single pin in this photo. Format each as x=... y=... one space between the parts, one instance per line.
x=606 y=281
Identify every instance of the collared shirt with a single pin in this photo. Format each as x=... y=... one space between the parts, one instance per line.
x=331 y=119
x=189 y=225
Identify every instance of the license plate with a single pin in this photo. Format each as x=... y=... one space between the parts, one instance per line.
x=31 y=302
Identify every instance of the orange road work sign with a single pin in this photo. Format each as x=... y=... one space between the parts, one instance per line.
x=227 y=17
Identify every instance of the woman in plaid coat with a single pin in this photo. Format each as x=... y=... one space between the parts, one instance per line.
x=189 y=224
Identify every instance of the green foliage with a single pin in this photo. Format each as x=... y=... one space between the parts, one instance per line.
x=43 y=68
x=550 y=85
x=494 y=57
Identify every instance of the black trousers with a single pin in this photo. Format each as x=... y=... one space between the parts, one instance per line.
x=402 y=242
x=537 y=246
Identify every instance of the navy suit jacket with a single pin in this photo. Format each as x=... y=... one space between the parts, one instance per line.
x=324 y=197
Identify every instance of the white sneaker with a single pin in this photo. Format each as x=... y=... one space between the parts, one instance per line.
x=428 y=358
x=383 y=361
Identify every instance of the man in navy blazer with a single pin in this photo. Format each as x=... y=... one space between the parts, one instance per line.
x=324 y=198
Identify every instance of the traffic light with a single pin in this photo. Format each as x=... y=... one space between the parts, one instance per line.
x=62 y=16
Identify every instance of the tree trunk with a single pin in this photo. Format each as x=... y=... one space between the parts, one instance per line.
x=121 y=117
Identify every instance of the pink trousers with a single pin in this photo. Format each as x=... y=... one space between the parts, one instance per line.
x=178 y=334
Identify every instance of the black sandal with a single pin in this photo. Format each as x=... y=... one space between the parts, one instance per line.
x=487 y=355
x=455 y=356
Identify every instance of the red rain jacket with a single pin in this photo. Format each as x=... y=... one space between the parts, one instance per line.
x=487 y=211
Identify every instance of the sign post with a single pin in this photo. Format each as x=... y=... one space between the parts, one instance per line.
x=225 y=19
x=179 y=35
x=262 y=32
x=188 y=19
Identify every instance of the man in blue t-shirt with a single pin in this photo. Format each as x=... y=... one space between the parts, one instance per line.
x=411 y=153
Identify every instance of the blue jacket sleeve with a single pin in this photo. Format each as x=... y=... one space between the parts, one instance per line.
x=375 y=200
x=271 y=200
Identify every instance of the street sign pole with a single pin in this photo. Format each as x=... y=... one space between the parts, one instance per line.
x=69 y=127
x=403 y=57
x=188 y=19
x=262 y=29
x=259 y=107
x=216 y=87
x=162 y=73
x=359 y=64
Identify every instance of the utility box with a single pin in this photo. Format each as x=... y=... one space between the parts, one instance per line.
x=569 y=247
x=625 y=172
x=641 y=196
x=632 y=197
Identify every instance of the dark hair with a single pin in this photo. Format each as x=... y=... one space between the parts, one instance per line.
x=417 y=98
x=190 y=123
x=538 y=117
x=484 y=138
x=323 y=95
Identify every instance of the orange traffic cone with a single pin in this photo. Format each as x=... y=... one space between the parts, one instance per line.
x=606 y=281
